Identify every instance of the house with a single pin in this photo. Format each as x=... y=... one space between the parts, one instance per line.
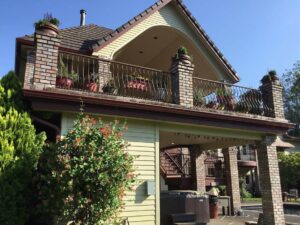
x=168 y=99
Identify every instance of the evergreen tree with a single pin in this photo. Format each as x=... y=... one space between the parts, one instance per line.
x=291 y=83
x=20 y=148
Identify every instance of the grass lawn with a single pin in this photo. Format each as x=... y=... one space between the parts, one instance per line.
x=251 y=199
x=259 y=200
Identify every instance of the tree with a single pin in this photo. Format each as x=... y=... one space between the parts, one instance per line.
x=291 y=83
x=83 y=177
x=20 y=148
x=289 y=165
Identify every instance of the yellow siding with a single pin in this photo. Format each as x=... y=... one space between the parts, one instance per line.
x=167 y=16
x=142 y=138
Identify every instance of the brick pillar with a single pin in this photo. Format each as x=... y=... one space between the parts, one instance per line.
x=182 y=82
x=270 y=183
x=46 y=59
x=105 y=73
x=198 y=168
x=29 y=69
x=232 y=178
x=272 y=97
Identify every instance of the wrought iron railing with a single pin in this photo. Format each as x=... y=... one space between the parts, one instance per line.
x=175 y=164
x=91 y=74
x=224 y=96
x=214 y=167
x=246 y=154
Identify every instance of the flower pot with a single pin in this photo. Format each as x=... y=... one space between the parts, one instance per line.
x=48 y=28
x=64 y=82
x=93 y=87
x=186 y=59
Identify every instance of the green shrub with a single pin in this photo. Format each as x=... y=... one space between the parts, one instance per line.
x=20 y=148
x=243 y=191
x=83 y=177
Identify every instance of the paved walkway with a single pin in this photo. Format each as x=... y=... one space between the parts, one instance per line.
x=249 y=215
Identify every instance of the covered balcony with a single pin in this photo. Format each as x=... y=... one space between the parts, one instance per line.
x=97 y=76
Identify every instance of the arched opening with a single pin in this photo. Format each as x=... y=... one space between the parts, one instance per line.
x=155 y=47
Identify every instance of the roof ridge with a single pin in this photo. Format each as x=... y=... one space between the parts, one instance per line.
x=88 y=25
x=130 y=22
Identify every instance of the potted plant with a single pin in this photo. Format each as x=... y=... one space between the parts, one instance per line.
x=225 y=98
x=64 y=79
x=48 y=24
x=93 y=84
x=137 y=82
x=199 y=99
x=109 y=87
x=182 y=55
x=270 y=77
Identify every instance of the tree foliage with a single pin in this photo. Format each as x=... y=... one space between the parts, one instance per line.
x=289 y=165
x=20 y=148
x=291 y=83
x=83 y=177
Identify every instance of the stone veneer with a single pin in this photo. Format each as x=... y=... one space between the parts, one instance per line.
x=46 y=59
x=198 y=168
x=232 y=178
x=270 y=183
x=182 y=82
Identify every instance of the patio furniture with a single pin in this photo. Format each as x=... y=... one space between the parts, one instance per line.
x=292 y=195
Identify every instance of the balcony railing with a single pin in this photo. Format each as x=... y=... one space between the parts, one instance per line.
x=224 y=96
x=96 y=75
x=92 y=74
x=246 y=155
x=214 y=167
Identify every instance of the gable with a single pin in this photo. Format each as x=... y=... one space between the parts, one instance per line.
x=208 y=62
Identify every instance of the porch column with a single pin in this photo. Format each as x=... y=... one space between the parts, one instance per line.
x=198 y=168
x=272 y=97
x=29 y=69
x=105 y=74
x=46 y=58
x=232 y=178
x=270 y=183
x=182 y=81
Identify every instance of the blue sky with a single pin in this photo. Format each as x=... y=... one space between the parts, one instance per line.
x=254 y=35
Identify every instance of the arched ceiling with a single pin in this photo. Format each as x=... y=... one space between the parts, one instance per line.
x=155 y=47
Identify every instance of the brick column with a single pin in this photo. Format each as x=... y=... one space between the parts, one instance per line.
x=198 y=168
x=232 y=178
x=272 y=97
x=46 y=59
x=29 y=69
x=182 y=82
x=270 y=183
x=105 y=73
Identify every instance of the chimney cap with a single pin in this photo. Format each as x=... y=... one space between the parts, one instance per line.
x=82 y=17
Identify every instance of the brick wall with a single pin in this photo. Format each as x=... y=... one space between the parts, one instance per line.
x=104 y=73
x=182 y=82
x=46 y=59
x=232 y=177
x=198 y=168
x=272 y=97
x=29 y=69
x=270 y=183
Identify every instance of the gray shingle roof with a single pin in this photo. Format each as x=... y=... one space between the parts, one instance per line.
x=80 y=38
x=91 y=37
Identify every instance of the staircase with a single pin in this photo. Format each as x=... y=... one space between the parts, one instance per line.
x=176 y=170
